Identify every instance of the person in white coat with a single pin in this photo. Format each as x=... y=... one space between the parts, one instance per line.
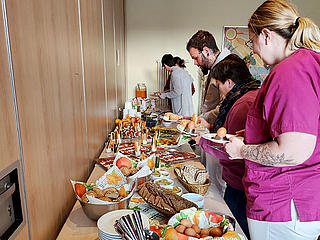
x=180 y=91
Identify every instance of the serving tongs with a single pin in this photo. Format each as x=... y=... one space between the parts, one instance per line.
x=138 y=223
x=218 y=148
x=130 y=229
x=188 y=132
x=124 y=232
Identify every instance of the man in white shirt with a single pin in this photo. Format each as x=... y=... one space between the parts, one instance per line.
x=203 y=50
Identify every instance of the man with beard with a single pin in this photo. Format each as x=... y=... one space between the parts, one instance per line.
x=203 y=50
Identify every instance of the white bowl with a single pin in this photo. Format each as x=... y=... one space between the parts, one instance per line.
x=170 y=182
x=194 y=197
x=171 y=187
x=163 y=174
x=166 y=123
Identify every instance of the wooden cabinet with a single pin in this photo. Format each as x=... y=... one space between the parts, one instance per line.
x=68 y=89
x=8 y=134
x=114 y=35
x=120 y=47
x=46 y=57
x=9 y=146
x=94 y=75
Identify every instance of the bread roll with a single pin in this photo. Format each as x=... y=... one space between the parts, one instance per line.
x=184 y=122
x=168 y=114
x=174 y=117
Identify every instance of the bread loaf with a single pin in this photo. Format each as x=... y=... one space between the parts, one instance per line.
x=163 y=199
x=192 y=174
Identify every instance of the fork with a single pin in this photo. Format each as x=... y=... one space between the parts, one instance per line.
x=216 y=148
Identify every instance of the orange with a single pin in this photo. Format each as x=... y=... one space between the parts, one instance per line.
x=171 y=234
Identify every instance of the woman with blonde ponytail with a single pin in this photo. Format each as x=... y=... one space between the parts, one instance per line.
x=282 y=140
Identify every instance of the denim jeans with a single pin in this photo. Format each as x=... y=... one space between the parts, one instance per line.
x=237 y=201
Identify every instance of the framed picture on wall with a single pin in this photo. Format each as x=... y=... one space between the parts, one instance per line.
x=235 y=38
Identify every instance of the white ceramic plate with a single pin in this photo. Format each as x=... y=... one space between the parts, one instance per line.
x=211 y=137
x=105 y=222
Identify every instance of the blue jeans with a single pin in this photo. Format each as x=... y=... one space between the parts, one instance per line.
x=237 y=201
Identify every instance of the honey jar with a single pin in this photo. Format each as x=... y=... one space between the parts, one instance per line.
x=141 y=90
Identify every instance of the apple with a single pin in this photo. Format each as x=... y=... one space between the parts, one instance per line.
x=124 y=162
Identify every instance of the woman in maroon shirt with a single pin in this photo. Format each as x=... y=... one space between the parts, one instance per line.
x=236 y=84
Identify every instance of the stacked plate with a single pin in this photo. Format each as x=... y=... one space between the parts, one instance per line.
x=106 y=222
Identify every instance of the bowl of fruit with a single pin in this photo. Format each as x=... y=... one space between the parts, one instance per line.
x=192 y=224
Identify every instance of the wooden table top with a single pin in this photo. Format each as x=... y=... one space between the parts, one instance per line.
x=79 y=226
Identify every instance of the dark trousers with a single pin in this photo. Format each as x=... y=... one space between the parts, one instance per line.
x=237 y=201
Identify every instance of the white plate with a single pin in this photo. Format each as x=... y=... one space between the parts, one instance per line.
x=105 y=222
x=211 y=137
x=103 y=236
x=167 y=146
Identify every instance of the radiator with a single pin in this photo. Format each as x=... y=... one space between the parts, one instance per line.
x=162 y=76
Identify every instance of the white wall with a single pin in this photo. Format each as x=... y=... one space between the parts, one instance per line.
x=156 y=27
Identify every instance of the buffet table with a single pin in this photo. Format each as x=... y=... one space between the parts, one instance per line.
x=79 y=226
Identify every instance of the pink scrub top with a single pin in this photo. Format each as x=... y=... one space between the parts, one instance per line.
x=232 y=170
x=288 y=101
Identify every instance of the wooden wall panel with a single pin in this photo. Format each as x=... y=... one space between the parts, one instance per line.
x=46 y=56
x=46 y=53
x=9 y=146
x=120 y=62
x=93 y=55
x=111 y=81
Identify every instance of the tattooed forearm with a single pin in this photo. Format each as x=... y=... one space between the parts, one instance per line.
x=264 y=155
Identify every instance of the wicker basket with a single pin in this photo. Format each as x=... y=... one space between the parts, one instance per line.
x=195 y=188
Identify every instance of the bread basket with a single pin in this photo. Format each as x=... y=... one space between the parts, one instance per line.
x=195 y=188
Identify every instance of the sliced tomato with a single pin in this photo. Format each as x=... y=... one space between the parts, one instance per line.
x=156 y=229
x=215 y=217
x=80 y=189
